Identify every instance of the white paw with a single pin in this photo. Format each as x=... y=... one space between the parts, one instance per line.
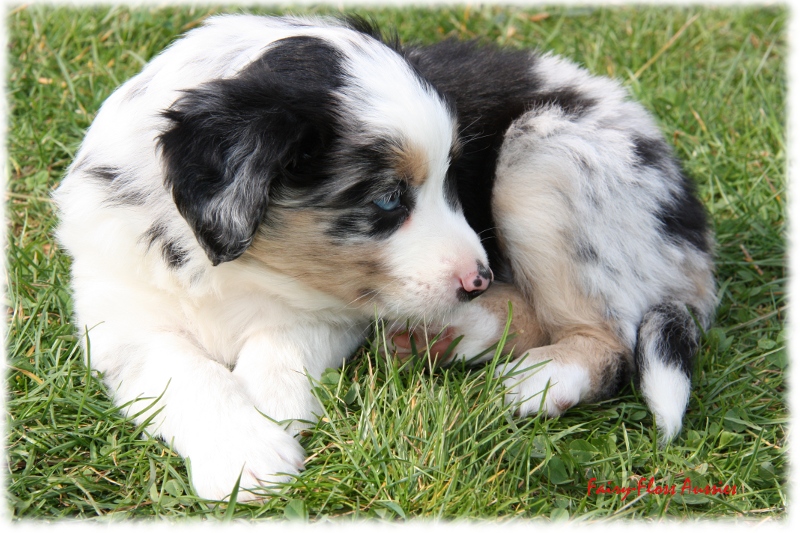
x=534 y=385
x=248 y=445
x=480 y=330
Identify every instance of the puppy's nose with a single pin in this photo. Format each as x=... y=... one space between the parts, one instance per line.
x=475 y=282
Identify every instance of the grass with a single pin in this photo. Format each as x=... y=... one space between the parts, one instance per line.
x=406 y=443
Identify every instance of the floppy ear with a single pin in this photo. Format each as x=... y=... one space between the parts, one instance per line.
x=228 y=139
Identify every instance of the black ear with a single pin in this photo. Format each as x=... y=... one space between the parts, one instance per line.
x=228 y=139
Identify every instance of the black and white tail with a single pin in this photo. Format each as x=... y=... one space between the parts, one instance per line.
x=668 y=341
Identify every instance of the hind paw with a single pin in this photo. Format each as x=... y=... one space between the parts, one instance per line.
x=538 y=385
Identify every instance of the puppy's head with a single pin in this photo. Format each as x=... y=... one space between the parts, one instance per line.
x=327 y=160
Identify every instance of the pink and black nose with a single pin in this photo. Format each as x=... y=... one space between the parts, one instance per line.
x=474 y=283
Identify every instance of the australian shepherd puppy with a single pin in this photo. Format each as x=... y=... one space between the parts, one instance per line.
x=242 y=209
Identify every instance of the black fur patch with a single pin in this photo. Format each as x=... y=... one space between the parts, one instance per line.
x=103 y=174
x=683 y=216
x=110 y=178
x=349 y=178
x=502 y=271
x=569 y=100
x=155 y=233
x=345 y=183
x=652 y=152
x=365 y=219
x=489 y=88
x=173 y=254
x=373 y=167
x=228 y=139
x=615 y=375
x=451 y=180
x=678 y=338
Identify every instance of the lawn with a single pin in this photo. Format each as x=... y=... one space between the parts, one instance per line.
x=407 y=443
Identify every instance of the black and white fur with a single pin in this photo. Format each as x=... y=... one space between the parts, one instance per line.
x=241 y=210
x=584 y=210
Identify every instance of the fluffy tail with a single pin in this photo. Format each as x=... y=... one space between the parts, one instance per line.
x=668 y=340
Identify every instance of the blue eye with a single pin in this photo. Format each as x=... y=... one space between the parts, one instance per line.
x=390 y=202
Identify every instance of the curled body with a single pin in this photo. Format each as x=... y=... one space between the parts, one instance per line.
x=587 y=215
x=242 y=209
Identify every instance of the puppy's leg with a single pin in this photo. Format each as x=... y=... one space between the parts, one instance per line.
x=585 y=365
x=198 y=406
x=601 y=230
x=479 y=325
x=580 y=242
x=274 y=367
x=221 y=419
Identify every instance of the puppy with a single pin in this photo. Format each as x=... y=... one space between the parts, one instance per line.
x=592 y=230
x=242 y=209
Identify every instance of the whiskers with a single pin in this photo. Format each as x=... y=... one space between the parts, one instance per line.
x=483 y=237
x=464 y=138
x=368 y=297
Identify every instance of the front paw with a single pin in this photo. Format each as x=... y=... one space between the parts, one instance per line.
x=535 y=384
x=249 y=445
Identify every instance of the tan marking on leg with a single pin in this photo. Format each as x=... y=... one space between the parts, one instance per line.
x=525 y=331
x=596 y=350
